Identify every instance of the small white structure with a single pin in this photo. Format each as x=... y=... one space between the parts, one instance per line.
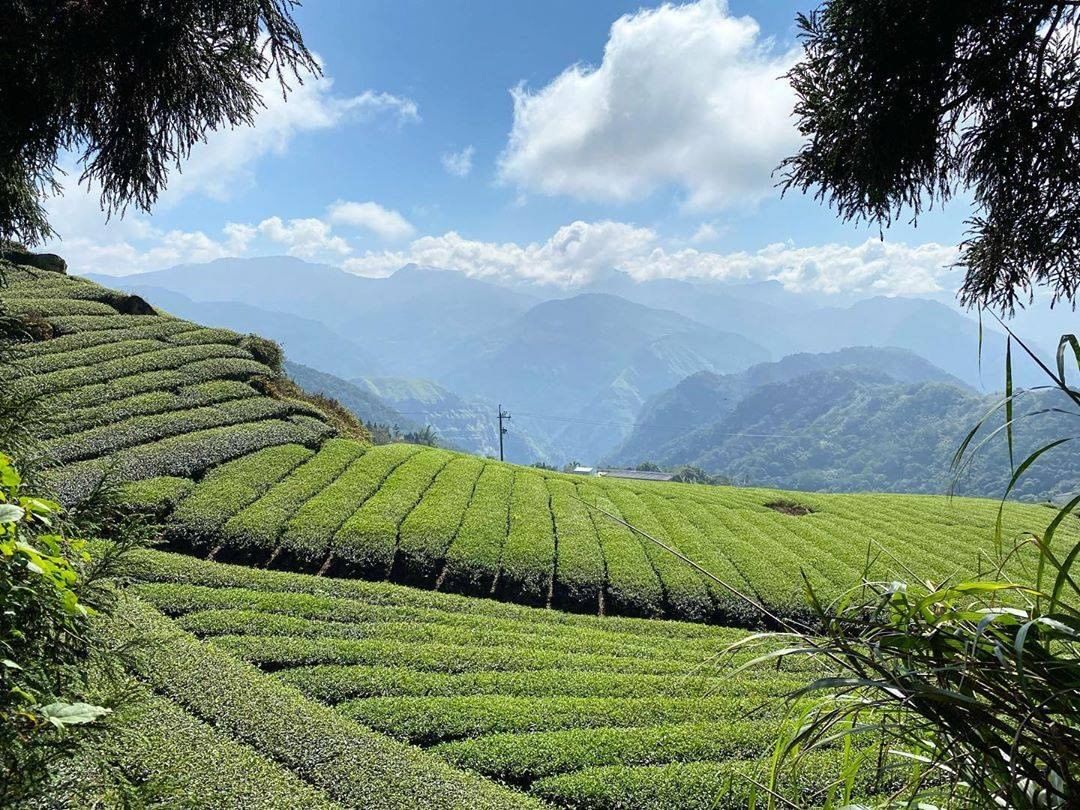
x=579 y=470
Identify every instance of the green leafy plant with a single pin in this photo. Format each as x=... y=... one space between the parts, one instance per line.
x=45 y=641
x=977 y=681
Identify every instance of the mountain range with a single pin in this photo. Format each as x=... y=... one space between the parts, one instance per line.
x=576 y=368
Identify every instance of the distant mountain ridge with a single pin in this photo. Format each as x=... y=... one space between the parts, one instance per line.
x=853 y=429
x=578 y=365
x=705 y=398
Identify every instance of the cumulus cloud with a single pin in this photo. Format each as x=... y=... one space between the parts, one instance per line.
x=580 y=252
x=308 y=238
x=459 y=164
x=574 y=255
x=687 y=95
x=383 y=222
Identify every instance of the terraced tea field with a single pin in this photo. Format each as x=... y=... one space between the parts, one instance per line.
x=403 y=674
x=437 y=519
x=141 y=395
x=247 y=477
x=577 y=711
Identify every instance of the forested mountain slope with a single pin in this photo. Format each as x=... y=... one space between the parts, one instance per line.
x=851 y=430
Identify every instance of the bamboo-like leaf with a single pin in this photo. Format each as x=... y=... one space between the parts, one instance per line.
x=1017 y=473
x=1009 y=398
x=1067 y=340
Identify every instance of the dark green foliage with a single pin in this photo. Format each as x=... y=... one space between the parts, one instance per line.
x=265 y=351
x=517 y=694
x=189 y=763
x=903 y=103
x=46 y=642
x=848 y=431
x=350 y=764
x=130 y=89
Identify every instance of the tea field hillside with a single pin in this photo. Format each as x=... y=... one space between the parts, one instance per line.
x=135 y=395
x=330 y=623
x=351 y=693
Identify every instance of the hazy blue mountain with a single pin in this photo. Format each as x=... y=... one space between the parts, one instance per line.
x=468 y=424
x=560 y=354
x=369 y=407
x=304 y=340
x=787 y=323
x=705 y=397
x=407 y=319
x=850 y=429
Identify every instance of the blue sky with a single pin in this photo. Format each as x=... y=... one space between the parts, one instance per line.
x=526 y=139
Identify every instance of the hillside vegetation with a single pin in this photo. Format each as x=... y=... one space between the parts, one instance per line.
x=850 y=429
x=245 y=476
x=574 y=711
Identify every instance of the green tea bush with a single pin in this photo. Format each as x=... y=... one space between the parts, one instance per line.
x=351 y=765
x=472 y=560
x=367 y=540
x=331 y=683
x=259 y=525
x=518 y=758
x=229 y=488
x=189 y=763
x=633 y=586
x=307 y=536
x=690 y=786
x=48 y=307
x=430 y=528
x=142 y=430
x=184 y=456
x=528 y=557
x=82 y=324
x=428 y=720
x=685 y=593
x=149 y=403
x=579 y=566
x=275 y=652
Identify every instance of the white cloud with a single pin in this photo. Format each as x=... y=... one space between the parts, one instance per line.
x=706 y=232
x=308 y=238
x=574 y=255
x=580 y=252
x=459 y=164
x=383 y=222
x=686 y=95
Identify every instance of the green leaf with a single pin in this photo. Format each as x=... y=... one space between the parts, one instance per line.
x=10 y=513
x=73 y=714
x=1009 y=399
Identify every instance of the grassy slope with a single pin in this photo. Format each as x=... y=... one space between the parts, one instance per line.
x=581 y=711
x=154 y=398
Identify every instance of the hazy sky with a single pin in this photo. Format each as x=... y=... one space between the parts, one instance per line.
x=548 y=140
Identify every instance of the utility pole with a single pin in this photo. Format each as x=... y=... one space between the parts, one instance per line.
x=502 y=431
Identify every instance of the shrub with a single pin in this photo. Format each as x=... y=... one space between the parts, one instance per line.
x=368 y=539
x=229 y=488
x=260 y=524
x=352 y=765
x=430 y=528
x=472 y=561
x=264 y=351
x=528 y=556
x=428 y=720
x=45 y=640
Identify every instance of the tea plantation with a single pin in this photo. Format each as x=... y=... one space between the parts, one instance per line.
x=572 y=710
x=400 y=626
